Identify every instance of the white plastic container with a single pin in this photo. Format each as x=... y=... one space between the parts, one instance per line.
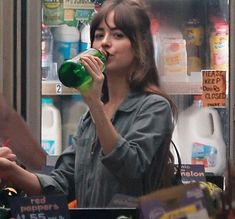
x=66 y=43
x=47 y=53
x=51 y=127
x=170 y=54
x=198 y=135
x=72 y=111
x=85 y=37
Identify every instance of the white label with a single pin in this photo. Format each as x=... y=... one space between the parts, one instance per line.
x=58 y=88
x=204 y=154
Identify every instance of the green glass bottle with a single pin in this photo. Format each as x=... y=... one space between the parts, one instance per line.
x=72 y=73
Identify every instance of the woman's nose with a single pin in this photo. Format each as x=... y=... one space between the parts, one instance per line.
x=106 y=40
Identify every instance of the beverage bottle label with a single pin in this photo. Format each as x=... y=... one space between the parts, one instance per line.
x=53 y=12
x=219 y=41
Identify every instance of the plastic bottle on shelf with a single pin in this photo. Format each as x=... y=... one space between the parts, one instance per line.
x=72 y=110
x=193 y=34
x=199 y=136
x=53 y=12
x=47 y=52
x=219 y=45
x=171 y=55
x=85 y=37
x=72 y=73
x=66 y=43
x=51 y=127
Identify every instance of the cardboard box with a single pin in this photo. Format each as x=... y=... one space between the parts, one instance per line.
x=178 y=202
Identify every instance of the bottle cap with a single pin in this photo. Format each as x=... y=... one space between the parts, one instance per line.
x=197 y=97
x=47 y=100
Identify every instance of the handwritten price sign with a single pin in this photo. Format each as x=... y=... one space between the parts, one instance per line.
x=40 y=207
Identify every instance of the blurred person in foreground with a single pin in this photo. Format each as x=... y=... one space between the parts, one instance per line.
x=122 y=144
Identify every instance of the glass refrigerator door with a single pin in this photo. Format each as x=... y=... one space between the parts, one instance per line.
x=193 y=64
x=191 y=40
x=65 y=33
x=6 y=53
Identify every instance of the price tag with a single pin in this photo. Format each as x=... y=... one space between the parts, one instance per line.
x=58 y=88
x=39 y=207
x=192 y=173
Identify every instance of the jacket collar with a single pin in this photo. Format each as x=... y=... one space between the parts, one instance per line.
x=129 y=103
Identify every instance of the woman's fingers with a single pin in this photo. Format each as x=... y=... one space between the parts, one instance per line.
x=7 y=153
x=93 y=64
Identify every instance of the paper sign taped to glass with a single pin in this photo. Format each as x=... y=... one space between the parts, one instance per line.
x=22 y=142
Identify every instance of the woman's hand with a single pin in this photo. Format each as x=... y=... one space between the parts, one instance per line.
x=94 y=66
x=6 y=152
x=7 y=157
x=7 y=160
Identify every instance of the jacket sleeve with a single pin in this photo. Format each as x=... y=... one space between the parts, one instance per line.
x=61 y=179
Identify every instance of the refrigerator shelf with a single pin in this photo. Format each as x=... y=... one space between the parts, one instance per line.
x=182 y=84
x=182 y=88
x=174 y=88
x=56 y=88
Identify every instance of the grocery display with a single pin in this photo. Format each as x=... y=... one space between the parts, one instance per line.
x=203 y=141
x=192 y=39
x=188 y=37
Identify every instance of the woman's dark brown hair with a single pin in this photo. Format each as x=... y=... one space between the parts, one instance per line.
x=131 y=17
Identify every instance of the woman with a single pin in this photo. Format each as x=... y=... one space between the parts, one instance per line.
x=122 y=143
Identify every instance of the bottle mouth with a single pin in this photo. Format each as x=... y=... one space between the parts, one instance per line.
x=105 y=53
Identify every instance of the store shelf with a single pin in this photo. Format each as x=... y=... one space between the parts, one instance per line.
x=182 y=84
x=182 y=88
x=70 y=5
x=172 y=88
x=56 y=88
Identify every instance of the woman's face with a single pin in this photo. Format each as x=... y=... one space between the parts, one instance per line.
x=116 y=44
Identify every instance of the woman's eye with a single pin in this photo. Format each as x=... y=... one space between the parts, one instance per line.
x=99 y=36
x=118 y=35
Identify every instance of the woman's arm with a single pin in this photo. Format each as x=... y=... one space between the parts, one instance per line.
x=141 y=142
x=92 y=97
x=19 y=177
